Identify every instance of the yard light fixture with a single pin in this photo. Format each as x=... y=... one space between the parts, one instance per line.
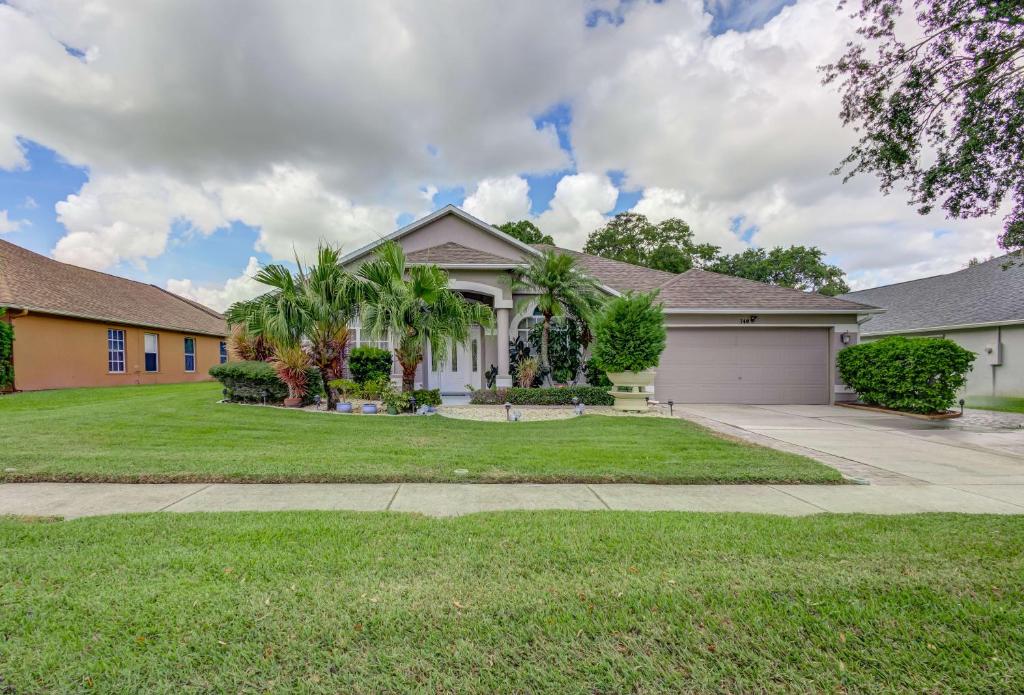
x=961 y=406
x=316 y=400
x=575 y=400
x=670 y=404
x=508 y=409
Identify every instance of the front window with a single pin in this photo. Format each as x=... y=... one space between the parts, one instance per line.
x=190 y=354
x=223 y=352
x=152 y=351
x=361 y=338
x=474 y=349
x=527 y=324
x=115 y=351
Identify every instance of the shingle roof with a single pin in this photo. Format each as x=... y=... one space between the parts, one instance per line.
x=37 y=283
x=702 y=289
x=452 y=253
x=984 y=293
x=618 y=275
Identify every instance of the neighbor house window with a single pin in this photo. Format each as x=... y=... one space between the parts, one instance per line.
x=152 y=350
x=223 y=352
x=526 y=325
x=115 y=350
x=190 y=354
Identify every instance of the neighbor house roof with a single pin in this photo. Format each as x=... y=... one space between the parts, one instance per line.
x=37 y=283
x=702 y=289
x=620 y=276
x=451 y=253
x=981 y=294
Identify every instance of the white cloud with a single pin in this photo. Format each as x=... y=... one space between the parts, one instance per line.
x=579 y=207
x=235 y=289
x=279 y=124
x=499 y=200
x=30 y=203
x=117 y=218
x=7 y=224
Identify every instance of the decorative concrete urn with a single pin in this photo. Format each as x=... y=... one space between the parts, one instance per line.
x=630 y=389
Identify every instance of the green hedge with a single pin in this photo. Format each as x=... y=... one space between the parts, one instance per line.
x=369 y=363
x=250 y=382
x=629 y=334
x=427 y=397
x=6 y=353
x=919 y=375
x=589 y=395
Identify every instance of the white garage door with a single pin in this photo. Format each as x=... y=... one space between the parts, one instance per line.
x=744 y=365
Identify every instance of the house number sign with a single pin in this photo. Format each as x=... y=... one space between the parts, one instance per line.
x=749 y=319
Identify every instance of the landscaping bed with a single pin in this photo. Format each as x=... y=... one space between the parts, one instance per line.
x=180 y=433
x=566 y=602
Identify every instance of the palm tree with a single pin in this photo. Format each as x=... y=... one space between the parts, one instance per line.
x=310 y=309
x=415 y=305
x=563 y=290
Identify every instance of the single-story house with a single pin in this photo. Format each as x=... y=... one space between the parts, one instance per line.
x=80 y=327
x=730 y=340
x=980 y=308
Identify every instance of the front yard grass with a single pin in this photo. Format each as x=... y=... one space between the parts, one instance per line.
x=180 y=433
x=566 y=602
x=1002 y=404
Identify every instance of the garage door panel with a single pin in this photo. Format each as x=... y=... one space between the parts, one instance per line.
x=745 y=365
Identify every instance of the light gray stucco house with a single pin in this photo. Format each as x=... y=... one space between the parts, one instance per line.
x=980 y=308
x=729 y=340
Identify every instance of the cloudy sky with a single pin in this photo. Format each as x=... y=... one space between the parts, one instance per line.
x=185 y=142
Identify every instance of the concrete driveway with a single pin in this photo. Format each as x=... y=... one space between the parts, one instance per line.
x=980 y=449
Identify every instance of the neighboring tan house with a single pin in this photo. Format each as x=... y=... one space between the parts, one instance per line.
x=79 y=327
x=980 y=308
x=730 y=340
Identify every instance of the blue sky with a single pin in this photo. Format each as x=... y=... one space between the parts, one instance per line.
x=196 y=150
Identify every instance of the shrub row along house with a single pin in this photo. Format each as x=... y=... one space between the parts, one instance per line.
x=729 y=340
x=79 y=327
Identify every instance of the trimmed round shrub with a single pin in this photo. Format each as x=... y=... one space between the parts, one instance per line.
x=251 y=382
x=369 y=364
x=588 y=395
x=918 y=375
x=629 y=334
x=427 y=397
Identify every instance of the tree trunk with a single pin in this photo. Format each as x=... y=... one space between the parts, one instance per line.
x=409 y=375
x=545 y=368
x=327 y=375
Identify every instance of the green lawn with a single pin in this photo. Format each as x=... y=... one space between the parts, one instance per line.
x=180 y=433
x=1006 y=405
x=567 y=602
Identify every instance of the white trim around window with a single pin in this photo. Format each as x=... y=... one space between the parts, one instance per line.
x=115 y=351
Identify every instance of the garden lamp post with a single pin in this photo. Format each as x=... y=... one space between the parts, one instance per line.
x=508 y=409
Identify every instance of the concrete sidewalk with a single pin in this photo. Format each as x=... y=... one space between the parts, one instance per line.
x=438 y=499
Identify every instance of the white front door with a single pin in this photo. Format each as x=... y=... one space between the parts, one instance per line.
x=460 y=368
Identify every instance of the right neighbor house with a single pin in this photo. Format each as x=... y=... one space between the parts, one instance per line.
x=981 y=308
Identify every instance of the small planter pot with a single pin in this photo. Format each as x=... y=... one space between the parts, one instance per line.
x=369 y=409
x=292 y=402
x=343 y=407
x=630 y=389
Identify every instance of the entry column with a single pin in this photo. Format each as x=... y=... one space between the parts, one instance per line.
x=503 y=317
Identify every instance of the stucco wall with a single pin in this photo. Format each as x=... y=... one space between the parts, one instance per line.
x=53 y=352
x=987 y=379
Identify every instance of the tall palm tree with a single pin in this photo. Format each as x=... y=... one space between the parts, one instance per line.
x=310 y=309
x=563 y=290
x=415 y=305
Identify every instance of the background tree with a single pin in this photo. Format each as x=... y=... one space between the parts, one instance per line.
x=799 y=267
x=308 y=310
x=943 y=113
x=563 y=290
x=527 y=232
x=415 y=305
x=632 y=238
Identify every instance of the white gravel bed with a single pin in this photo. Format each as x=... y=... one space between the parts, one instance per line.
x=535 y=413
